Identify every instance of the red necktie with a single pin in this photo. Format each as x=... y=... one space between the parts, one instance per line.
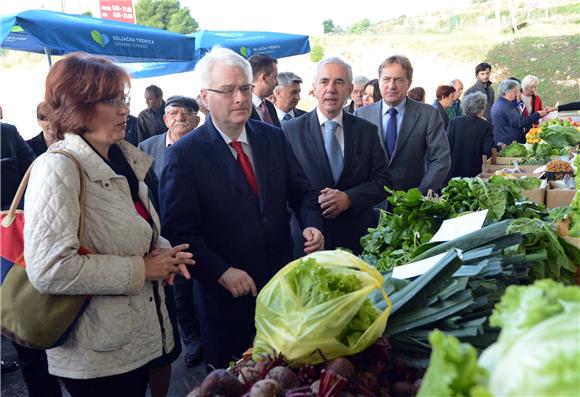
x=266 y=118
x=246 y=166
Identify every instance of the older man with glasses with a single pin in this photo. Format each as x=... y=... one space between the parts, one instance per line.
x=226 y=189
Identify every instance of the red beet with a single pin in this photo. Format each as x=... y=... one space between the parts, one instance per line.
x=341 y=366
x=221 y=382
x=285 y=377
x=266 y=388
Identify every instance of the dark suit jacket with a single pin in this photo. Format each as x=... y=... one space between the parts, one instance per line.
x=155 y=147
x=363 y=177
x=298 y=112
x=421 y=158
x=470 y=137
x=489 y=93
x=205 y=201
x=16 y=158
x=271 y=109
x=37 y=144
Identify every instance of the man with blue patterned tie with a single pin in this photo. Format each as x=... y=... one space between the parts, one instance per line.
x=287 y=94
x=411 y=133
x=342 y=157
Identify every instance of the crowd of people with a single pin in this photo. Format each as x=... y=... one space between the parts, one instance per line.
x=187 y=221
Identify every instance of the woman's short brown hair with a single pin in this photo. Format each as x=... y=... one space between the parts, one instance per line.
x=443 y=91
x=75 y=84
x=417 y=93
x=42 y=110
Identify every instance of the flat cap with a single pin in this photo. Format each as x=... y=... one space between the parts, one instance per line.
x=182 y=102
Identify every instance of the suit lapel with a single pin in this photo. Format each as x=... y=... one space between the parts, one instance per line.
x=409 y=120
x=314 y=139
x=348 y=133
x=223 y=158
x=273 y=114
x=260 y=154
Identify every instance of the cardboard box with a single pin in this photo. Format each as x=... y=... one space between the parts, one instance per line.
x=556 y=197
x=498 y=167
x=537 y=195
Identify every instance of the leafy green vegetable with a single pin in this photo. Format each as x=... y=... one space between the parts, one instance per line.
x=314 y=284
x=540 y=238
x=514 y=150
x=560 y=136
x=575 y=205
x=414 y=220
x=522 y=307
x=453 y=370
x=544 y=361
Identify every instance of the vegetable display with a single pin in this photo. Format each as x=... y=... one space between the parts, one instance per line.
x=415 y=218
x=537 y=353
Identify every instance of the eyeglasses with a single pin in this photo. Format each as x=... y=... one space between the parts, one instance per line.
x=230 y=91
x=176 y=112
x=122 y=100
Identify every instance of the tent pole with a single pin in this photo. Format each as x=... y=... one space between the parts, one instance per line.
x=47 y=52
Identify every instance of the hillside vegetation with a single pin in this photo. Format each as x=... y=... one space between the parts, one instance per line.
x=545 y=43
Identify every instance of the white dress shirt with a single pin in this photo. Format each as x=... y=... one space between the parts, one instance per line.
x=339 y=130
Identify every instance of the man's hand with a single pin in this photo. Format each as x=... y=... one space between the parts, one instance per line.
x=238 y=282
x=547 y=110
x=333 y=202
x=314 y=240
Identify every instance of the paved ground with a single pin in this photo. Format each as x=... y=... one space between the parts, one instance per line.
x=182 y=381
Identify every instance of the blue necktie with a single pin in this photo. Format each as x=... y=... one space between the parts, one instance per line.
x=287 y=117
x=333 y=151
x=391 y=132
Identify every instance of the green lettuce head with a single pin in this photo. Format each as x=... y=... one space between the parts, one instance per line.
x=545 y=361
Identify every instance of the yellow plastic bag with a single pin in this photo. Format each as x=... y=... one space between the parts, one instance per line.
x=310 y=335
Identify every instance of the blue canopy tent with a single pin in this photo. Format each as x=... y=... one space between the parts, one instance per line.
x=56 y=33
x=277 y=45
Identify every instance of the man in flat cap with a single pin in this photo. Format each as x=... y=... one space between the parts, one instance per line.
x=180 y=117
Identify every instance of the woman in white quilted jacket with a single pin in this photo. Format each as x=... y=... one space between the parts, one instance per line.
x=126 y=325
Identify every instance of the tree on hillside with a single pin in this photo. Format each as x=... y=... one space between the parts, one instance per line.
x=165 y=14
x=360 y=26
x=328 y=26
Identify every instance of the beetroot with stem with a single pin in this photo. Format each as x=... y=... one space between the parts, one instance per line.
x=341 y=366
x=331 y=384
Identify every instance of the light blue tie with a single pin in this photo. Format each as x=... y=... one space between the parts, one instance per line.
x=332 y=147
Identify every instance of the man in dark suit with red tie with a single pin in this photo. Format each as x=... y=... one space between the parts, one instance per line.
x=225 y=190
x=264 y=79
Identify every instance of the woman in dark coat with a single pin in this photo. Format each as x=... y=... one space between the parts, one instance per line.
x=445 y=96
x=470 y=137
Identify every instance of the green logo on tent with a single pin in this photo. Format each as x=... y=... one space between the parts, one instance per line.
x=244 y=51
x=101 y=39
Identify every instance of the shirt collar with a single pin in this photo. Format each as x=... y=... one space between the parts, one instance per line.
x=322 y=118
x=256 y=100
x=243 y=138
x=400 y=107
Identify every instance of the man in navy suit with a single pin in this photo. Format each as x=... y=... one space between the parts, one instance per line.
x=225 y=189
x=341 y=156
x=287 y=94
x=264 y=79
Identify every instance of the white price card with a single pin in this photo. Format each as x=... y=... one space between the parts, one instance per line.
x=415 y=269
x=460 y=226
